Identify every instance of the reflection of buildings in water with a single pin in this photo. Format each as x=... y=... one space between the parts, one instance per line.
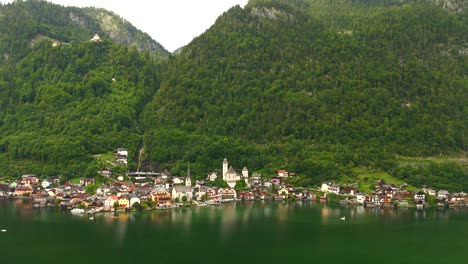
x=388 y=212
x=18 y=203
x=372 y=210
x=124 y=218
x=182 y=219
x=255 y=210
x=43 y=214
x=111 y=217
x=299 y=204
x=283 y=212
x=118 y=222
x=120 y=232
x=348 y=212
x=420 y=214
x=328 y=213
x=211 y=214
x=247 y=212
x=360 y=210
x=228 y=220
x=267 y=209
x=24 y=207
x=160 y=216
x=441 y=214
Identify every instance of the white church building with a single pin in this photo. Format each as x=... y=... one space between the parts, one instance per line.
x=231 y=176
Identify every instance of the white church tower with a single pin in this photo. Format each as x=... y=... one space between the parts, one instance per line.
x=188 y=181
x=245 y=174
x=225 y=168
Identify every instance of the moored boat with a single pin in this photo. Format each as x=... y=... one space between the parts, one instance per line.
x=77 y=211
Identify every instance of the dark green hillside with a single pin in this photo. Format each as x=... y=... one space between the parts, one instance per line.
x=321 y=88
x=65 y=103
x=64 y=98
x=317 y=87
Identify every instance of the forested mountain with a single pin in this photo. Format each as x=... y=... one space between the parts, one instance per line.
x=315 y=87
x=23 y=23
x=61 y=102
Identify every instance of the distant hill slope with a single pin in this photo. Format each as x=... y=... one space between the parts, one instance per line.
x=23 y=21
x=315 y=86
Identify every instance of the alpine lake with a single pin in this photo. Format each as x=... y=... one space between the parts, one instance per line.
x=241 y=232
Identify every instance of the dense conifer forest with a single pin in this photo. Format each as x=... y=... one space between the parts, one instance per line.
x=316 y=87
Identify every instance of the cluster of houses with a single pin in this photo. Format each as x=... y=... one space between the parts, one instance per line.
x=390 y=195
x=159 y=190
x=162 y=192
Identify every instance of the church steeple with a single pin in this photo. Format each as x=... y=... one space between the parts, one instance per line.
x=225 y=168
x=188 y=181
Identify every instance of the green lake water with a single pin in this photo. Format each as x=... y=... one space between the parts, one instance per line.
x=243 y=232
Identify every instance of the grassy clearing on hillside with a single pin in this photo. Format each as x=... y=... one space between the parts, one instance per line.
x=106 y=159
x=367 y=179
x=75 y=180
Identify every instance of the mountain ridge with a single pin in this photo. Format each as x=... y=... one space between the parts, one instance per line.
x=38 y=17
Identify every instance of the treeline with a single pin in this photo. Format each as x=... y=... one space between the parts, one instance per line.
x=441 y=176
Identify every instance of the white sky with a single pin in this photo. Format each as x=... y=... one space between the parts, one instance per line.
x=173 y=23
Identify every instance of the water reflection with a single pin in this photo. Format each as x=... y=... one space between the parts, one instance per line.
x=331 y=214
x=181 y=219
x=231 y=217
x=273 y=232
x=121 y=232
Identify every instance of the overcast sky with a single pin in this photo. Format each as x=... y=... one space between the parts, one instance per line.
x=173 y=23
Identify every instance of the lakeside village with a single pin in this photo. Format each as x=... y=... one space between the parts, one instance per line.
x=152 y=191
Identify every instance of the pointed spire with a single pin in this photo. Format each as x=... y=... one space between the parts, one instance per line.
x=188 y=169
x=188 y=181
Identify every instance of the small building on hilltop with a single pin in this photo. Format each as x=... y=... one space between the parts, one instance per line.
x=96 y=38
x=122 y=156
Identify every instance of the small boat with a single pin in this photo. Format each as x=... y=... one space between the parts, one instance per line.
x=343 y=218
x=91 y=218
x=77 y=211
x=4 y=230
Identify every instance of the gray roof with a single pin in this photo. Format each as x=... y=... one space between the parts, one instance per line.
x=183 y=188
x=231 y=170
